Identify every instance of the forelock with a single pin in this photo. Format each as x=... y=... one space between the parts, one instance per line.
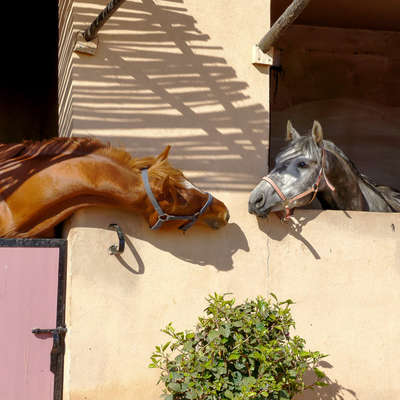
x=302 y=147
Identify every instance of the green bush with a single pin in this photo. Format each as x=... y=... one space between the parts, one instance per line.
x=237 y=352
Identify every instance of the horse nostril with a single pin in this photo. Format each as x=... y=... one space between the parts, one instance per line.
x=260 y=200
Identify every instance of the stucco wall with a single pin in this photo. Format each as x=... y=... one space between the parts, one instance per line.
x=343 y=271
x=166 y=72
x=117 y=305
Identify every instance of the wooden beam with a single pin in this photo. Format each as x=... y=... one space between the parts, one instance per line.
x=282 y=23
x=91 y=32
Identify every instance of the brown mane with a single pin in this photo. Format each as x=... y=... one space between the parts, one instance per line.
x=160 y=169
x=20 y=161
x=157 y=168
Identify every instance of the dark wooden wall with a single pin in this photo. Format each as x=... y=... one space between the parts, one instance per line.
x=349 y=80
x=28 y=79
x=365 y=14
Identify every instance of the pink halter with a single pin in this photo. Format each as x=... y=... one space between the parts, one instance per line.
x=314 y=189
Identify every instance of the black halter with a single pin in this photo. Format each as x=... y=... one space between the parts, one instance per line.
x=162 y=216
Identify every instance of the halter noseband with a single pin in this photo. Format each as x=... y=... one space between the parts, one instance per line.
x=314 y=188
x=164 y=217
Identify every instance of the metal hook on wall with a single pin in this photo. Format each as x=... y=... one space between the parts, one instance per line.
x=87 y=41
x=117 y=249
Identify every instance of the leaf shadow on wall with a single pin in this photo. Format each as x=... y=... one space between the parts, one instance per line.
x=333 y=390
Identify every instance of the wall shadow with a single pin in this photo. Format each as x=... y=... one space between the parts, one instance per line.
x=155 y=71
x=333 y=390
x=137 y=269
x=277 y=229
x=200 y=245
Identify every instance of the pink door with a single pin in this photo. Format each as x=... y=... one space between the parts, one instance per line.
x=29 y=289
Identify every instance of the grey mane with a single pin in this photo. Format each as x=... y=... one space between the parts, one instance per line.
x=390 y=195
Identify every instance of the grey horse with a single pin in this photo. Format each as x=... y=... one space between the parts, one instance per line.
x=310 y=167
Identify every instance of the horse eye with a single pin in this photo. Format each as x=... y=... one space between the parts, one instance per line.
x=301 y=164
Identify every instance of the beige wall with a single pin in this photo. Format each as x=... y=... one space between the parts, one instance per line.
x=166 y=72
x=343 y=271
x=117 y=305
x=179 y=73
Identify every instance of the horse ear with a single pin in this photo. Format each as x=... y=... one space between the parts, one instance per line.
x=164 y=154
x=317 y=133
x=291 y=133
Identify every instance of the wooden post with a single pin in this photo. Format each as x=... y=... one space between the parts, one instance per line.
x=282 y=23
x=91 y=32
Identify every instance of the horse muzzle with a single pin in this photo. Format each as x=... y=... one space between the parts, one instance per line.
x=263 y=200
x=217 y=221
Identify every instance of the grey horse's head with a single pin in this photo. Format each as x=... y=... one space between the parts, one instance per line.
x=297 y=168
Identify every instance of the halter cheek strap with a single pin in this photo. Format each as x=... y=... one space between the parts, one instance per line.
x=164 y=217
x=314 y=188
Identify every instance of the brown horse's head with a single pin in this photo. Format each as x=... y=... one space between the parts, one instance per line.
x=177 y=196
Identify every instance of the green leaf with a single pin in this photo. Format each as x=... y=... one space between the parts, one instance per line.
x=190 y=395
x=249 y=381
x=225 y=331
x=284 y=395
x=319 y=373
x=228 y=394
x=292 y=373
x=188 y=346
x=239 y=365
x=234 y=356
x=174 y=387
x=260 y=326
x=237 y=377
x=165 y=346
x=212 y=335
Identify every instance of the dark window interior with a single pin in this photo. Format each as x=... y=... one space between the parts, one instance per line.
x=339 y=63
x=28 y=86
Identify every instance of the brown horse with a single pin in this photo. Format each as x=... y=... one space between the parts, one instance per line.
x=43 y=183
